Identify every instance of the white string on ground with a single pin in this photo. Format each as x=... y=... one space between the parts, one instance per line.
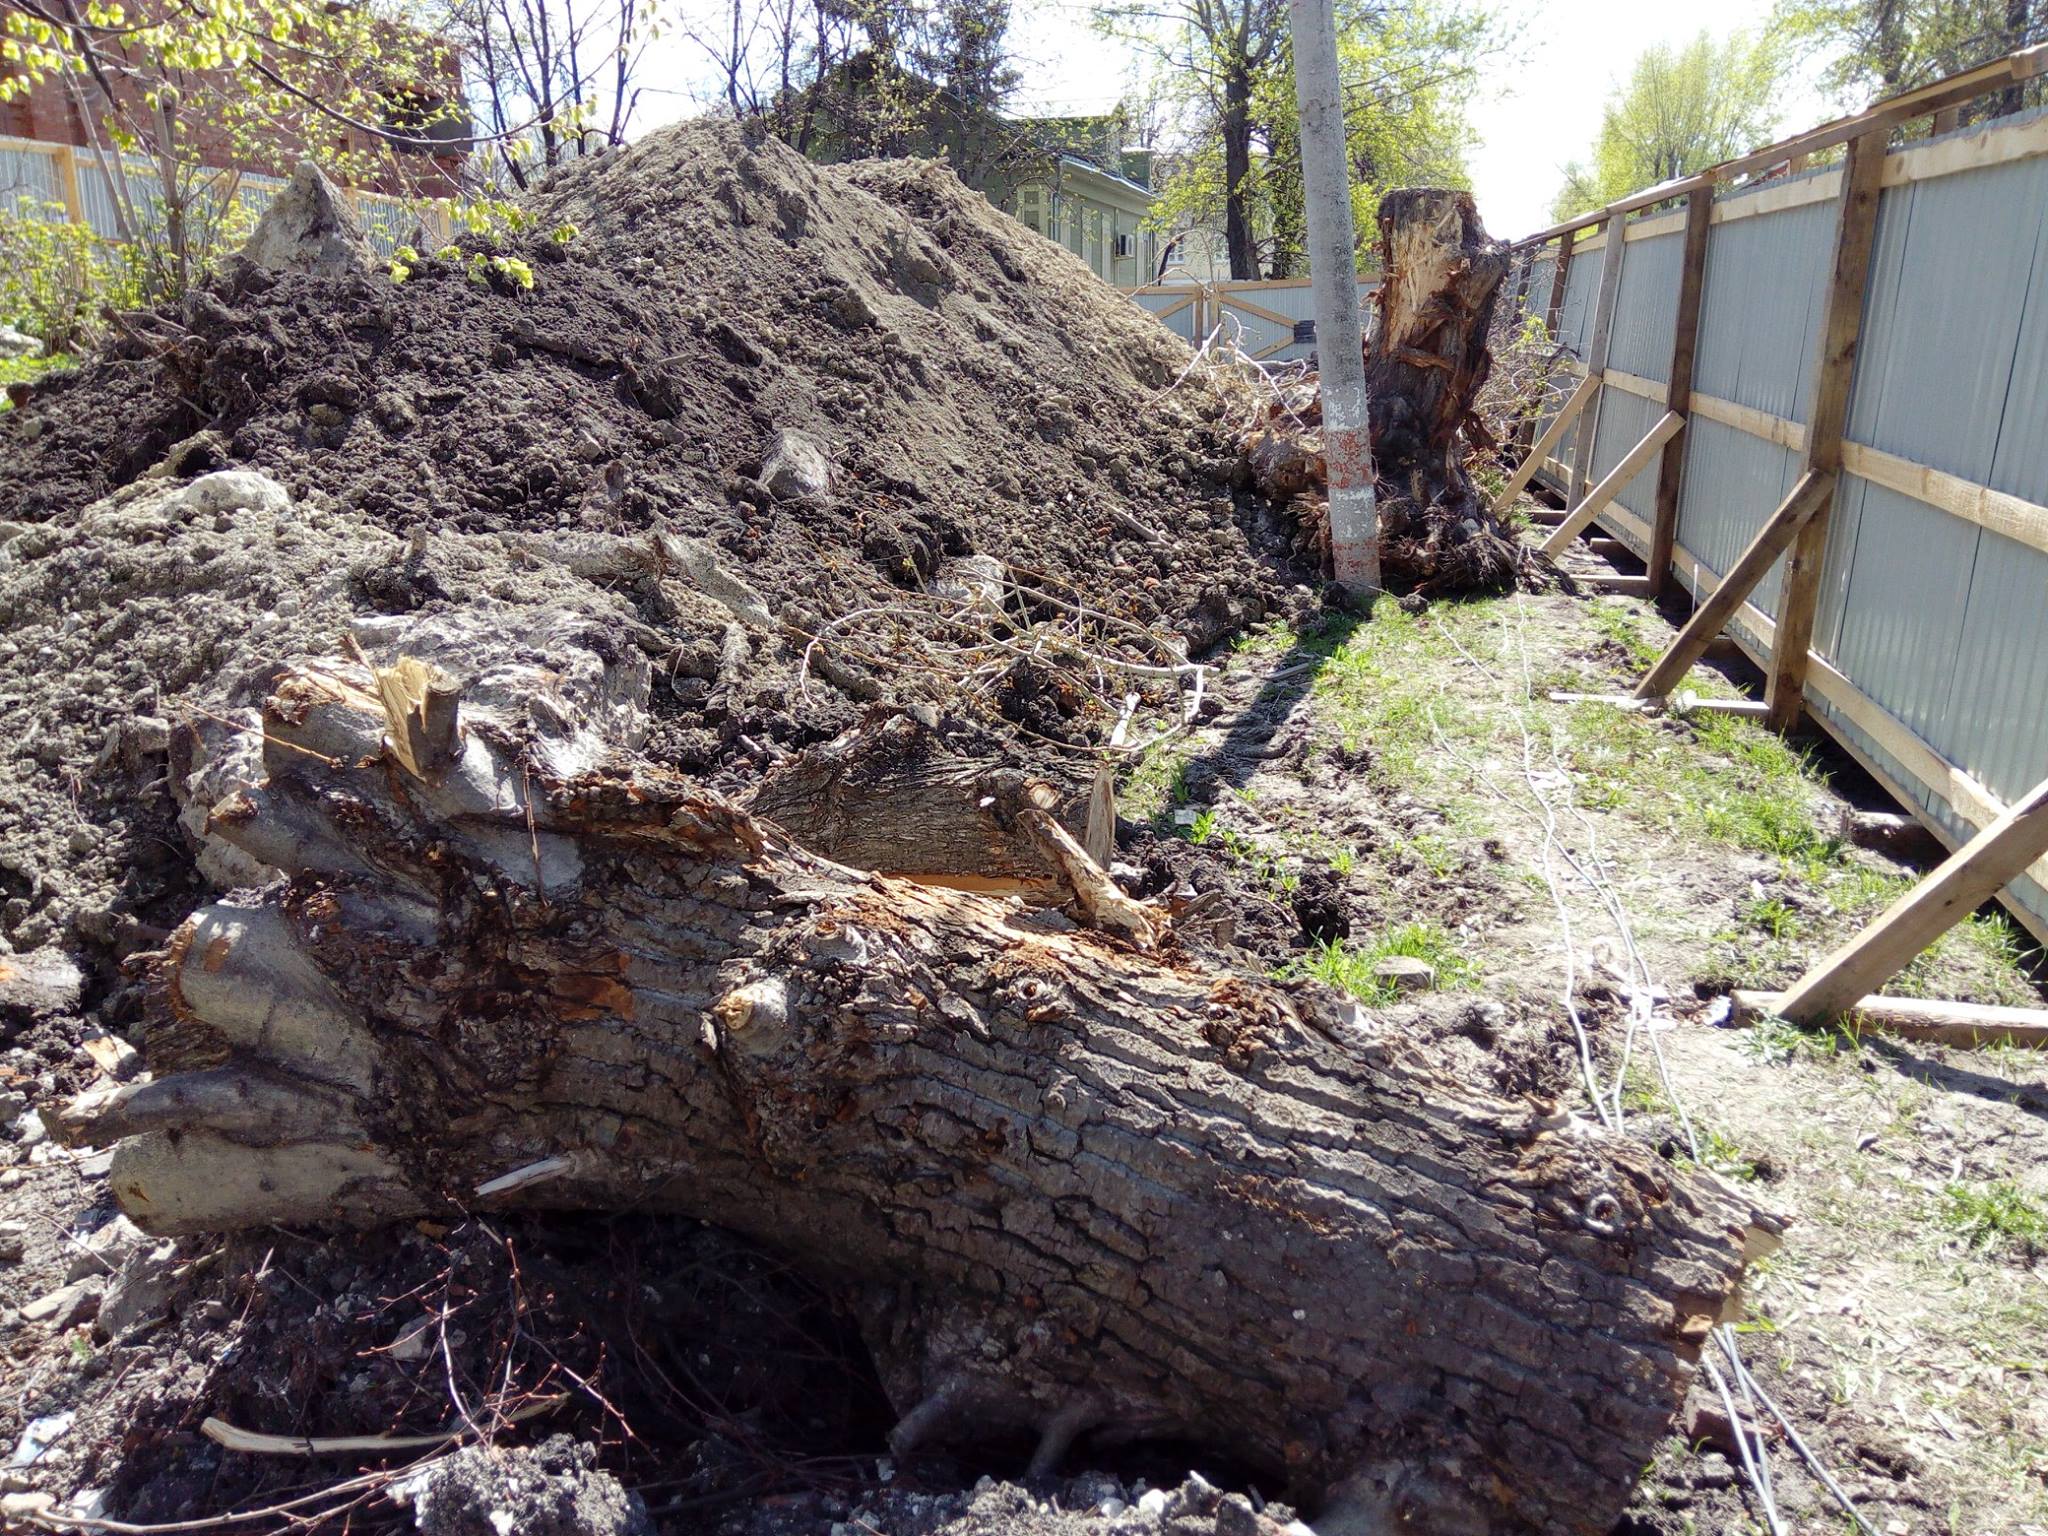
x=1813 y=1462
x=1590 y=869
x=1759 y=1481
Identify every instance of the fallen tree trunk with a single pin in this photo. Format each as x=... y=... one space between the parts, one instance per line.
x=1083 y=1187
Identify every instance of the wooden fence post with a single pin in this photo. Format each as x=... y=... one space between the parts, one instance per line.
x=1596 y=350
x=1553 y=312
x=67 y=183
x=1699 y=219
x=1842 y=321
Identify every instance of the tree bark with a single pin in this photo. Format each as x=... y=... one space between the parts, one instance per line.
x=1081 y=1185
x=1237 y=171
x=1425 y=365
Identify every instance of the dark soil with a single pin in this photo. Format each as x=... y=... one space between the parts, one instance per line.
x=443 y=443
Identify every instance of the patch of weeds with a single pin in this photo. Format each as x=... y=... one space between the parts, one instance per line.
x=1739 y=960
x=1721 y=775
x=1349 y=965
x=1720 y=1153
x=1773 y=1041
x=1982 y=959
x=1624 y=626
x=21 y=370
x=1765 y=800
x=1344 y=861
x=1158 y=782
x=1379 y=690
x=1432 y=850
x=1773 y=915
x=1641 y=1093
x=1271 y=639
x=1990 y=1216
x=1201 y=829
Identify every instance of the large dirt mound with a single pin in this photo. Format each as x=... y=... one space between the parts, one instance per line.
x=600 y=444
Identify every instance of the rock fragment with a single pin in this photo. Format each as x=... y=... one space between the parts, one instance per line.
x=309 y=228
x=796 y=465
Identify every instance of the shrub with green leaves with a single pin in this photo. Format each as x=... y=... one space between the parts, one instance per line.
x=55 y=275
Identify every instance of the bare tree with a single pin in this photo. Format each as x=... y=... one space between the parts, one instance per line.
x=551 y=79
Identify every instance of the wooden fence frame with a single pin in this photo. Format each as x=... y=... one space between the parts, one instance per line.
x=1824 y=449
x=1211 y=301
x=72 y=198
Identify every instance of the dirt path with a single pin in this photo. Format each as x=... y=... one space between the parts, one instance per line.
x=1406 y=788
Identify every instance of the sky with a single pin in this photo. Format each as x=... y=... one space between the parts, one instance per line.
x=1531 y=112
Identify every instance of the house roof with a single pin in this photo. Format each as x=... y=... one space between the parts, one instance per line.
x=1082 y=163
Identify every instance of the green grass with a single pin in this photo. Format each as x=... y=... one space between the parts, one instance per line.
x=1773 y=916
x=1159 y=782
x=1348 y=965
x=1996 y=1215
x=1383 y=691
x=1720 y=775
x=1624 y=626
x=1772 y=1040
x=17 y=370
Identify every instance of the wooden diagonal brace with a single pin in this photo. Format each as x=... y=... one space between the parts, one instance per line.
x=1596 y=501
x=1533 y=460
x=1969 y=877
x=1779 y=529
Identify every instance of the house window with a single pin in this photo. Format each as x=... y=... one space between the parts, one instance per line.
x=1031 y=208
x=1126 y=247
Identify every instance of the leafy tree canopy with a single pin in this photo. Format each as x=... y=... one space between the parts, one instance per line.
x=1680 y=111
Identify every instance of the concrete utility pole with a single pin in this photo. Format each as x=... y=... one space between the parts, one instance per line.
x=1333 y=272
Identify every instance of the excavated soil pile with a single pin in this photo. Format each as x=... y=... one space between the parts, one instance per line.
x=602 y=445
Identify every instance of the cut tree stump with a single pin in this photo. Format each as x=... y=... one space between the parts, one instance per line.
x=1425 y=366
x=1077 y=1186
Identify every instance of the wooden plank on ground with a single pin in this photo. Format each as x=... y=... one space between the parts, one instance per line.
x=1567 y=414
x=1914 y=1018
x=1968 y=878
x=1751 y=566
x=1692 y=272
x=1596 y=354
x=1631 y=465
x=1616 y=585
x=1841 y=325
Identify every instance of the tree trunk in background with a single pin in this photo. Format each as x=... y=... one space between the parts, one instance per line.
x=1082 y=1186
x=2018 y=23
x=1237 y=170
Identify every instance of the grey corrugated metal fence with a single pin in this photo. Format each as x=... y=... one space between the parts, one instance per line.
x=1930 y=643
